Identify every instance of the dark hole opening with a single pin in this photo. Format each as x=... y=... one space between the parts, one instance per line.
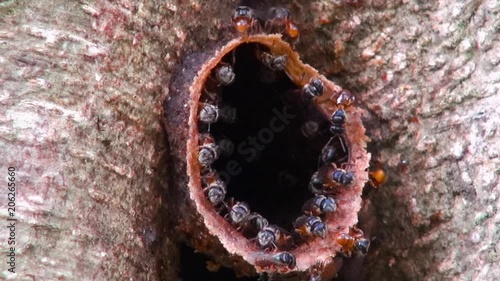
x=273 y=161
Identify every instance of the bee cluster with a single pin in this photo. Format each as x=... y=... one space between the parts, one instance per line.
x=274 y=244
x=277 y=20
x=332 y=173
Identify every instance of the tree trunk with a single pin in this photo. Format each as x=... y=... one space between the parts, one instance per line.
x=80 y=121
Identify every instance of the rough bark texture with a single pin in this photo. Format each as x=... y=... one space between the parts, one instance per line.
x=81 y=91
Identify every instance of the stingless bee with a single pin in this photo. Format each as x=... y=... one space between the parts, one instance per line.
x=243 y=20
x=329 y=154
x=310 y=226
x=342 y=176
x=317 y=183
x=280 y=20
x=208 y=152
x=280 y=259
x=338 y=119
x=313 y=89
x=254 y=223
x=275 y=63
x=239 y=213
x=319 y=205
x=345 y=99
x=225 y=74
x=361 y=246
x=257 y=221
x=377 y=175
x=210 y=114
x=272 y=236
x=286 y=259
x=353 y=242
x=327 y=178
x=215 y=189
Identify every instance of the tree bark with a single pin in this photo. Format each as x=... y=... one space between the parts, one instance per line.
x=80 y=120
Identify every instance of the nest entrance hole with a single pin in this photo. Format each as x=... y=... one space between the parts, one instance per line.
x=273 y=160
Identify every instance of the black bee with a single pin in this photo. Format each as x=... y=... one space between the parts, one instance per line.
x=310 y=226
x=313 y=89
x=317 y=184
x=342 y=177
x=272 y=260
x=225 y=75
x=208 y=154
x=285 y=258
x=216 y=192
x=338 y=121
x=257 y=221
x=239 y=213
x=329 y=154
x=361 y=247
x=319 y=205
x=272 y=236
x=275 y=63
x=208 y=114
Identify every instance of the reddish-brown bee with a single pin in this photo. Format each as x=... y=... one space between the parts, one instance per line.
x=243 y=19
x=377 y=176
x=292 y=30
x=310 y=226
x=280 y=20
x=353 y=242
x=345 y=99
